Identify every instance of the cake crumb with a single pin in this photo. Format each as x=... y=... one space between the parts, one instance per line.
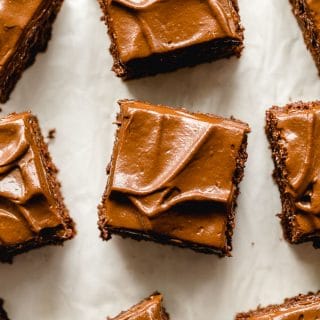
x=51 y=134
x=252 y=244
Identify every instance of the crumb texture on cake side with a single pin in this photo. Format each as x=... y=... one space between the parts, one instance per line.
x=299 y=219
x=33 y=39
x=304 y=12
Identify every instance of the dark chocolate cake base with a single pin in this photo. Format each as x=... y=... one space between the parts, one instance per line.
x=186 y=57
x=46 y=236
x=279 y=158
x=3 y=314
x=311 y=32
x=35 y=40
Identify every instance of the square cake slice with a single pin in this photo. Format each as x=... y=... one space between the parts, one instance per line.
x=307 y=13
x=294 y=136
x=302 y=307
x=3 y=314
x=32 y=212
x=174 y=177
x=150 y=308
x=153 y=36
x=25 y=29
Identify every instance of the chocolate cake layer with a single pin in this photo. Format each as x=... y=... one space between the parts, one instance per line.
x=152 y=36
x=25 y=28
x=150 y=308
x=302 y=307
x=294 y=135
x=32 y=212
x=174 y=177
x=3 y=314
x=307 y=13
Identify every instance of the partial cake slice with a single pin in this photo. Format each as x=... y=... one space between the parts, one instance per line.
x=174 y=177
x=307 y=13
x=3 y=314
x=32 y=212
x=150 y=308
x=25 y=28
x=153 y=36
x=294 y=135
x=302 y=307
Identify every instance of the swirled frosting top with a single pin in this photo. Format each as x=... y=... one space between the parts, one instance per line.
x=300 y=137
x=26 y=204
x=176 y=171
x=142 y=27
x=15 y=16
x=148 y=309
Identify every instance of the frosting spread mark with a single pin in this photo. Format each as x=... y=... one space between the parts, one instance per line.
x=25 y=208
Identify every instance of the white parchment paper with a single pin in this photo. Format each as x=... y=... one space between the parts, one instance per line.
x=70 y=88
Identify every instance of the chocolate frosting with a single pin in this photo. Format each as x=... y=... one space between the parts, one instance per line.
x=26 y=204
x=15 y=16
x=300 y=132
x=311 y=312
x=141 y=28
x=148 y=309
x=167 y=158
x=299 y=308
x=314 y=8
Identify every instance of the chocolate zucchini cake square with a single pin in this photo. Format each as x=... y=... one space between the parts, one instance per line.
x=32 y=212
x=307 y=13
x=150 y=308
x=174 y=177
x=302 y=307
x=294 y=136
x=153 y=36
x=25 y=29
x=3 y=314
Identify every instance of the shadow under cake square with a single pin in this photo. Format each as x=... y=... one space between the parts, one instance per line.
x=174 y=177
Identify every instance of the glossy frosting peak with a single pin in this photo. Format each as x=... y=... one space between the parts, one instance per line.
x=15 y=15
x=25 y=199
x=142 y=28
x=166 y=158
